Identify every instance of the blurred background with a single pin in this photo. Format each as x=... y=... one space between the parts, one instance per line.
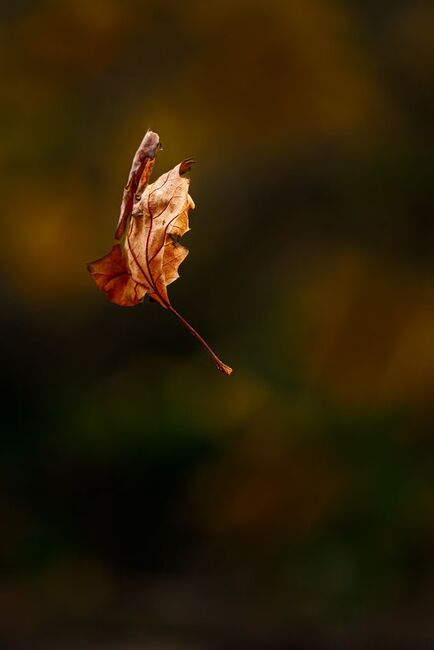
x=147 y=501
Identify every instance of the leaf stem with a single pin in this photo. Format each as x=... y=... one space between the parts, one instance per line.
x=226 y=370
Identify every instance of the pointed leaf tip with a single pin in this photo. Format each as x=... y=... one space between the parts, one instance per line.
x=185 y=166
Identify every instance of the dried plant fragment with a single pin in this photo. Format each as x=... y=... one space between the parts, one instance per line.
x=140 y=172
x=154 y=218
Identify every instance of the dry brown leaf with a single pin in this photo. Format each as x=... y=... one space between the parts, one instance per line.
x=154 y=218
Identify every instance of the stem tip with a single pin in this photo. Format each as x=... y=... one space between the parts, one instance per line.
x=226 y=370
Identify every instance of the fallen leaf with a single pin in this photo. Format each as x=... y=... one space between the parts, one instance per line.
x=153 y=218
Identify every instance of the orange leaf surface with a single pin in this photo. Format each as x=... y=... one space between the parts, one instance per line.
x=112 y=275
x=160 y=217
x=154 y=218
